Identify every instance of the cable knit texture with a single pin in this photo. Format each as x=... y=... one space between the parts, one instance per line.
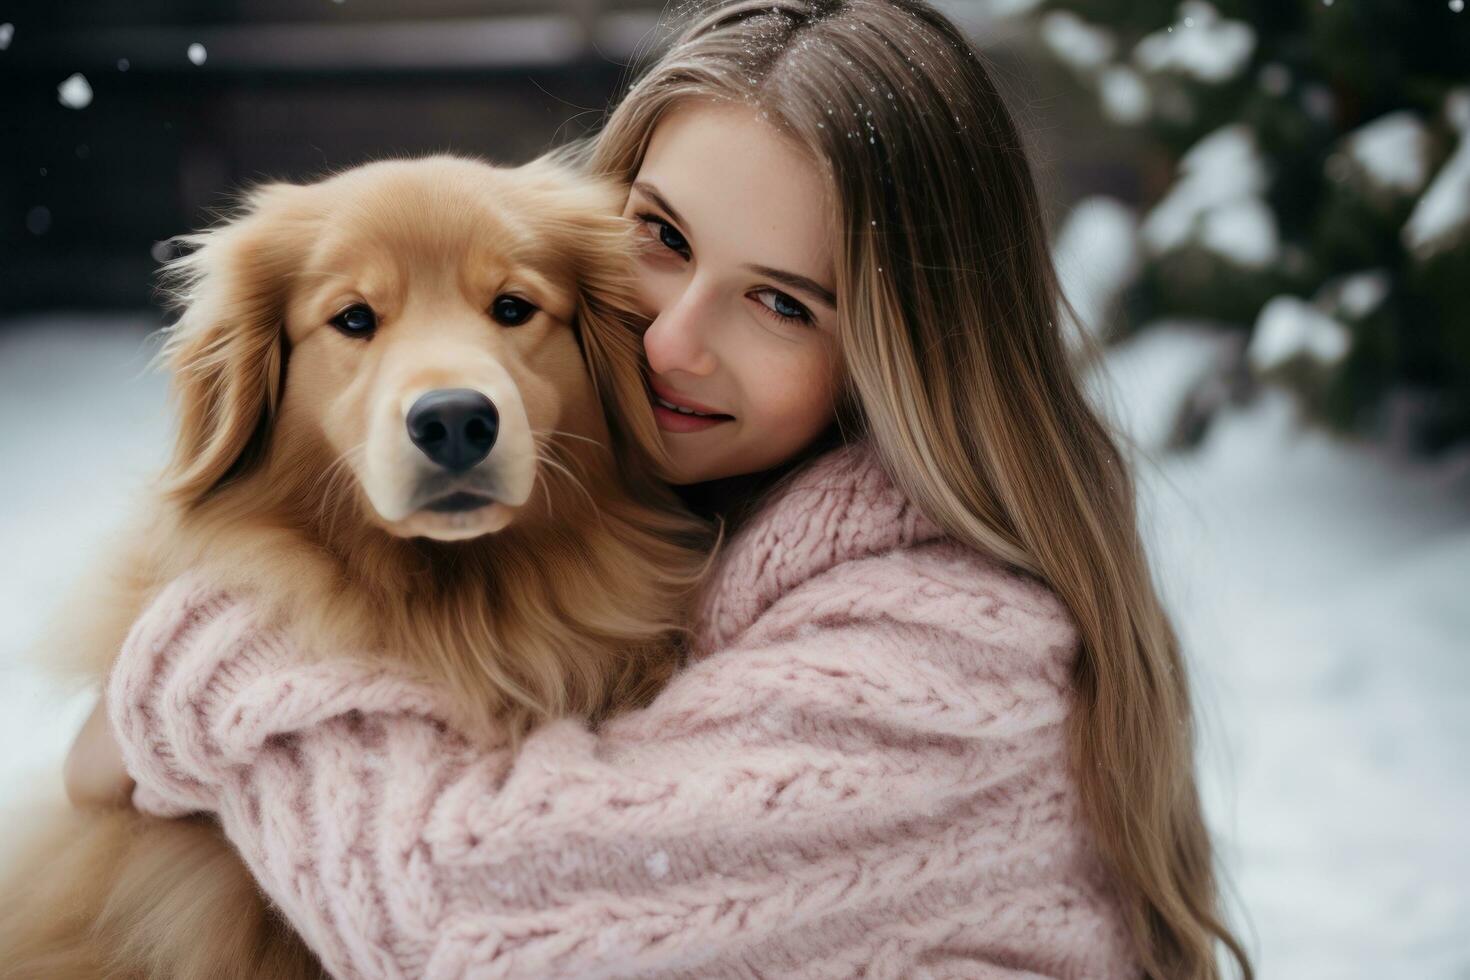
x=861 y=772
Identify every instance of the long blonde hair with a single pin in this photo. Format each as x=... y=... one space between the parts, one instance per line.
x=957 y=373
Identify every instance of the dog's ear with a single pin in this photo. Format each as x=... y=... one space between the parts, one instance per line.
x=227 y=350
x=586 y=214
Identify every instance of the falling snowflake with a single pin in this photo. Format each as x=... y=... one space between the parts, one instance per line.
x=75 y=93
x=197 y=54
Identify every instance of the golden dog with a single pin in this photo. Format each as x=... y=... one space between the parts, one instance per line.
x=412 y=419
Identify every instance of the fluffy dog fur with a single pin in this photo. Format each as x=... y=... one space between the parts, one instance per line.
x=293 y=478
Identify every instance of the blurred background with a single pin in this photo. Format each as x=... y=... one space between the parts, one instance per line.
x=1261 y=206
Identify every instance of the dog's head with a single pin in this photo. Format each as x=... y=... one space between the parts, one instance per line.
x=430 y=323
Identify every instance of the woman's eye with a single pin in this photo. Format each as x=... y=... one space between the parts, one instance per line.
x=783 y=307
x=668 y=236
x=358 y=320
x=511 y=311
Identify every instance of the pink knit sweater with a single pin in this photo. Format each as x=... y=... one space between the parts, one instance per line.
x=861 y=773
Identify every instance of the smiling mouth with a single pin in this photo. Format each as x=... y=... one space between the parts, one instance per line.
x=458 y=502
x=653 y=397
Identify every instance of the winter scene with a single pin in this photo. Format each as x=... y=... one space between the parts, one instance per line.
x=1258 y=213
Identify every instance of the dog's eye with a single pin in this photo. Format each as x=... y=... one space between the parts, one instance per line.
x=356 y=321
x=512 y=311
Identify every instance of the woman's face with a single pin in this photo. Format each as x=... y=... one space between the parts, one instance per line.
x=736 y=270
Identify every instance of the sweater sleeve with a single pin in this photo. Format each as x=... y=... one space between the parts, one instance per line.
x=817 y=770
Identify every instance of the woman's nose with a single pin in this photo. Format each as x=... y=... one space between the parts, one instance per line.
x=675 y=340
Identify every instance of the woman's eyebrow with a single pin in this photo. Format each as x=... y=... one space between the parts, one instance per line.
x=652 y=192
x=802 y=283
x=790 y=279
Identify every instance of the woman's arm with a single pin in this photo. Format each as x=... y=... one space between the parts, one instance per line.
x=862 y=752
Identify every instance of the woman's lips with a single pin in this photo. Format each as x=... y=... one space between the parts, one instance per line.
x=681 y=400
x=672 y=421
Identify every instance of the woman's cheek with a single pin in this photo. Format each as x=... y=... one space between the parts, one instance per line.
x=651 y=289
x=804 y=403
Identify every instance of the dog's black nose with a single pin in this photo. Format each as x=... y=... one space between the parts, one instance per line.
x=455 y=427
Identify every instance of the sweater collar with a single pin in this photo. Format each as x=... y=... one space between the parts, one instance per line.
x=840 y=506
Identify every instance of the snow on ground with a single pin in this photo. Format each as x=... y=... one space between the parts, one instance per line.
x=1320 y=592
x=81 y=428
x=1319 y=589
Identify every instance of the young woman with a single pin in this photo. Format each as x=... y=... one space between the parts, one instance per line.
x=938 y=723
